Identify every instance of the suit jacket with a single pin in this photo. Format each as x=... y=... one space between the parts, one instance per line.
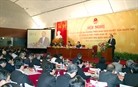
x=46 y=80
x=126 y=69
x=82 y=74
x=63 y=81
x=118 y=66
x=36 y=61
x=44 y=43
x=78 y=45
x=131 y=79
x=9 y=67
x=74 y=61
x=113 y=42
x=111 y=79
x=20 y=78
x=102 y=66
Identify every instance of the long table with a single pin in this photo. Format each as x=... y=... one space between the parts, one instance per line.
x=71 y=53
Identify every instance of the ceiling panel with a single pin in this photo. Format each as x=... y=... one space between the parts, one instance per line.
x=121 y=5
x=34 y=7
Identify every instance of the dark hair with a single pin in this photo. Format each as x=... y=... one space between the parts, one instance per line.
x=116 y=59
x=102 y=60
x=18 y=63
x=3 y=61
x=9 y=58
x=3 y=74
x=110 y=67
x=77 y=81
x=49 y=67
x=72 y=68
x=59 y=55
x=79 y=61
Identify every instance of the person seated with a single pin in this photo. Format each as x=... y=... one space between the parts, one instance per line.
x=79 y=57
x=80 y=70
x=37 y=60
x=18 y=75
x=109 y=76
x=47 y=78
x=3 y=64
x=63 y=80
x=132 y=78
x=77 y=81
x=10 y=65
x=4 y=77
x=29 y=60
x=53 y=59
x=101 y=65
x=55 y=44
x=78 y=45
x=127 y=68
x=45 y=61
x=59 y=59
x=60 y=44
x=118 y=66
x=69 y=43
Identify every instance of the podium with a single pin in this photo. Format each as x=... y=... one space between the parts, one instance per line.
x=107 y=54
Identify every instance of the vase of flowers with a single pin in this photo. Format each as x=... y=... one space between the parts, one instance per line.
x=103 y=46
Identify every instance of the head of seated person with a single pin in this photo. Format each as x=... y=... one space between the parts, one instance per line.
x=78 y=45
x=69 y=43
x=50 y=68
x=110 y=68
x=77 y=81
x=18 y=63
x=79 y=56
x=3 y=63
x=72 y=70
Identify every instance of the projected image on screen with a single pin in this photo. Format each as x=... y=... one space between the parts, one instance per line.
x=38 y=38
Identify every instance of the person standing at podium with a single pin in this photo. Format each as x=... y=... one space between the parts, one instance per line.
x=112 y=43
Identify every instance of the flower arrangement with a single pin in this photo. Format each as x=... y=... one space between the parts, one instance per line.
x=103 y=46
x=57 y=41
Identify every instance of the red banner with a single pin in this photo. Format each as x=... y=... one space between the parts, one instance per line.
x=61 y=28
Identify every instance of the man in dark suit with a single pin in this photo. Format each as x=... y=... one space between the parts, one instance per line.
x=80 y=70
x=112 y=43
x=59 y=59
x=47 y=78
x=43 y=41
x=10 y=65
x=18 y=76
x=78 y=45
x=3 y=64
x=132 y=78
x=79 y=57
x=109 y=76
x=63 y=81
x=4 y=77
